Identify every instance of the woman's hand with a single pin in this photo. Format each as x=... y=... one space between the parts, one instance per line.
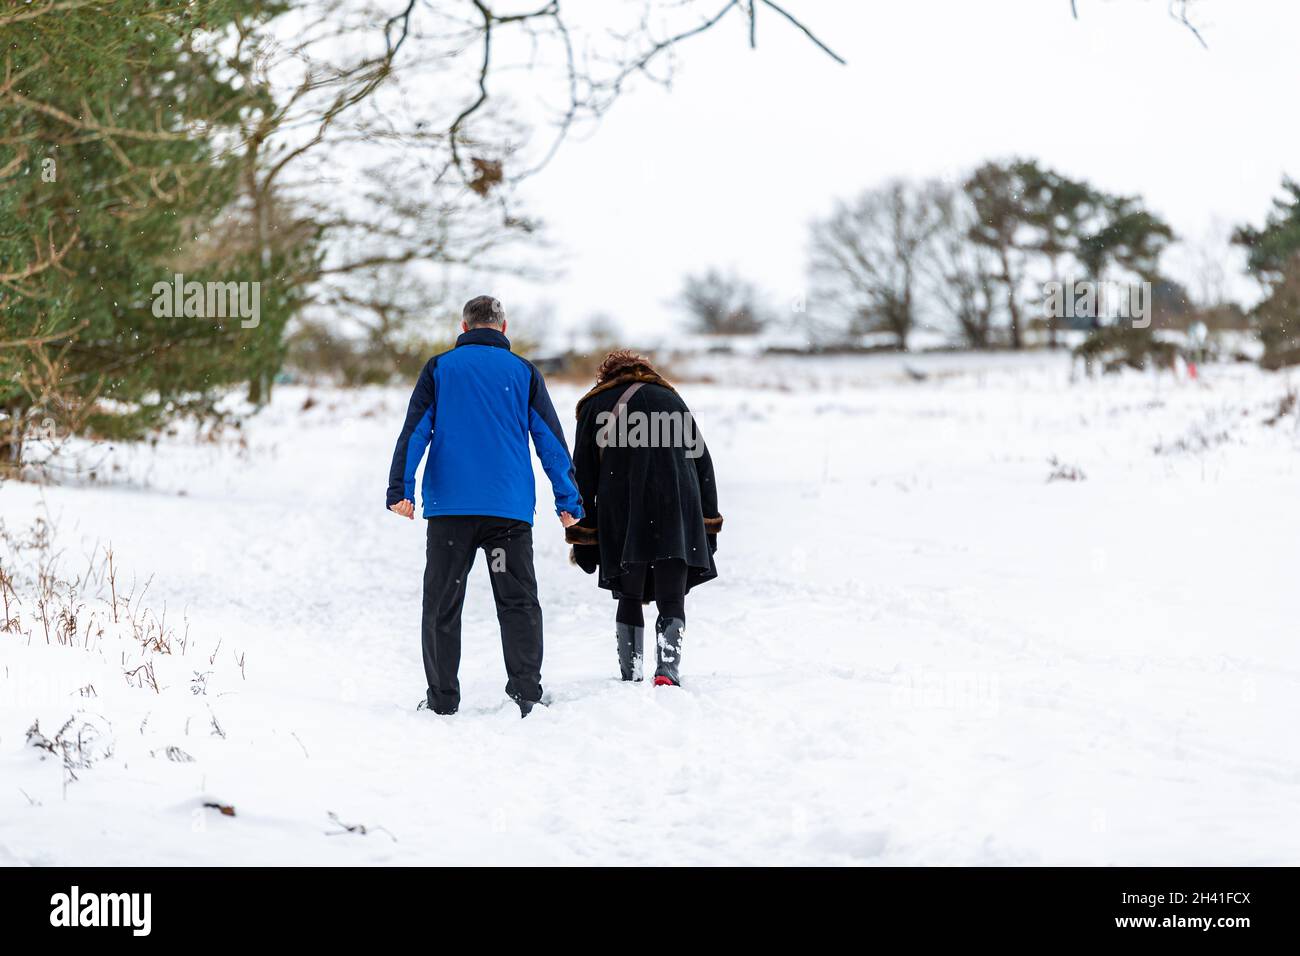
x=567 y=519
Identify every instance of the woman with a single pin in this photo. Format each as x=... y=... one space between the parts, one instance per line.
x=651 y=522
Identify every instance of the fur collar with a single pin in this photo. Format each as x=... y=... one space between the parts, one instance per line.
x=626 y=378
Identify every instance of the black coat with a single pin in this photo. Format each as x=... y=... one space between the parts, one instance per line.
x=648 y=496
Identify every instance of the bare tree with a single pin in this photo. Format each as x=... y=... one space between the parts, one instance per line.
x=1205 y=259
x=602 y=330
x=439 y=172
x=996 y=191
x=1180 y=10
x=722 y=304
x=867 y=258
x=961 y=275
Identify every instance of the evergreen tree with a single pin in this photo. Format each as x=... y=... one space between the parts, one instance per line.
x=1057 y=210
x=1271 y=250
x=115 y=162
x=1273 y=257
x=1128 y=236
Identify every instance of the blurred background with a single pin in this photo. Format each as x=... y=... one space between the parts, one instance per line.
x=677 y=177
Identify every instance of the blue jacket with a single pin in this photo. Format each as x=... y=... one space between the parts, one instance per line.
x=475 y=406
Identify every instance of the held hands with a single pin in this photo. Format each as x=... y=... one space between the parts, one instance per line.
x=567 y=519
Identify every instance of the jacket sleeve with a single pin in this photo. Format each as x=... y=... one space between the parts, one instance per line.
x=708 y=487
x=551 y=448
x=416 y=432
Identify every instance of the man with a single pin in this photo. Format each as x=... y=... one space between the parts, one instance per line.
x=475 y=406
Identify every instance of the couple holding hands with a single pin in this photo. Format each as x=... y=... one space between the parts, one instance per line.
x=639 y=507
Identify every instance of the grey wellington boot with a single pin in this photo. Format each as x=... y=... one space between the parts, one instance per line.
x=669 y=632
x=631 y=650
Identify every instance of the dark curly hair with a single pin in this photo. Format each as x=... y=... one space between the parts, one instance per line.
x=622 y=360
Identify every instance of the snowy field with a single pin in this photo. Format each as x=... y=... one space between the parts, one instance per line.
x=920 y=649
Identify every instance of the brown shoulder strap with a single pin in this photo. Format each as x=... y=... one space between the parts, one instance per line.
x=620 y=409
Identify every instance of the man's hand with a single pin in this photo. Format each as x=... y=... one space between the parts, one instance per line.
x=405 y=508
x=567 y=519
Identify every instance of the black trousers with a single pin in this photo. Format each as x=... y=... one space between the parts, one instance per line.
x=507 y=544
x=664 y=582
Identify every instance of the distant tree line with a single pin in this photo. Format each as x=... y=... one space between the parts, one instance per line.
x=971 y=260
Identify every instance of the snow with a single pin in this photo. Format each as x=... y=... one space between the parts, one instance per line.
x=920 y=650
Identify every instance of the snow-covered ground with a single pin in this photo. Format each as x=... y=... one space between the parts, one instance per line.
x=920 y=650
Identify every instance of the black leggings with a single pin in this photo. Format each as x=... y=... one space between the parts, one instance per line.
x=669 y=586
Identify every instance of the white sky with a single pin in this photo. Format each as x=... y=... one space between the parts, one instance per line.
x=729 y=167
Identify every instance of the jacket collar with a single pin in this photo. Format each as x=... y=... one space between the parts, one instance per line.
x=626 y=378
x=483 y=336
